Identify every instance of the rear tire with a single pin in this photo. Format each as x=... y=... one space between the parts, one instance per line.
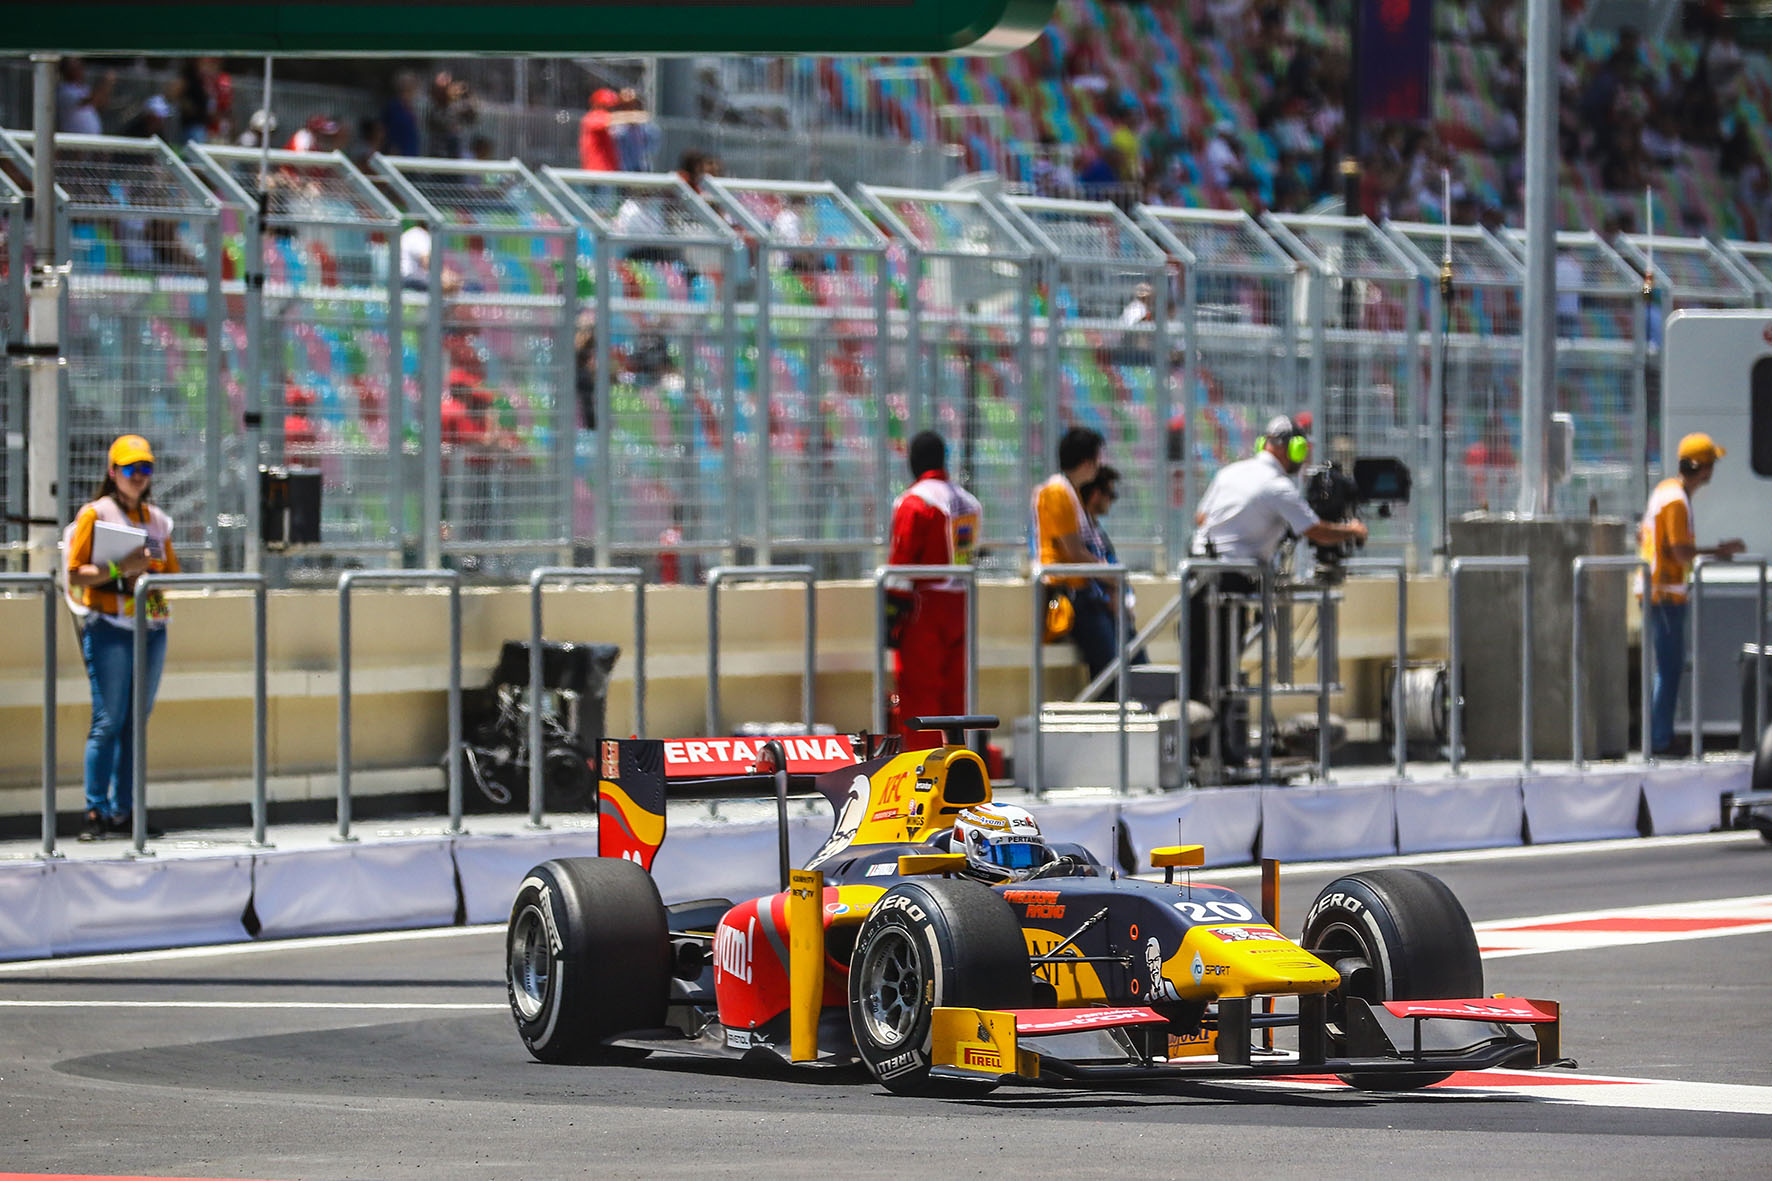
x=1394 y=935
x=930 y=944
x=587 y=956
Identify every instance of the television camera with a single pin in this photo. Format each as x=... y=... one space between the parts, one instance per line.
x=1334 y=495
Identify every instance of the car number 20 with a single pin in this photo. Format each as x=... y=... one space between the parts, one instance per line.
x=1215 y=912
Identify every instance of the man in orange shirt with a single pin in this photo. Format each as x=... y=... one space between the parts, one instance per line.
x=1061 y=536
x=1667 y=541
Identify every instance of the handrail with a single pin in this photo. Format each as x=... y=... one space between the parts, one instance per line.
x=966 y=574
x=1400 y=570
x=1577 y=698
x=1041 y=574
x=1698 y=569
x=1163 y=618
x=139 y=695
x=1214 y=567
x=722 y=574
x=1523 y=566
x=44 y=584
x=578 y=575
x=452 y=578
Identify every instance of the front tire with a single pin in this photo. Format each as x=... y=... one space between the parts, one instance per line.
x=1394 y=935
x=926 y=945
x=587 y=956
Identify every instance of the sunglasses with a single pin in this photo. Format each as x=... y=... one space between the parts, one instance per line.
x=136 y=471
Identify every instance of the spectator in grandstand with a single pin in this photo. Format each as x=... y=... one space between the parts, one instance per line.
x=584 y=373
x=400 y=116
x=596 y=143
x=1489 y=463
x=415 y=262
x=1138 y=308
x=480 y=148
x=935 y=522
x=78 y=103
x=1098 y=496
x=321 y=133
x=1667 y=541
x=102 y=571
x=261 y=124
x=478 y=442
x=1569 y=283
x=450 y=113
x=1060 y=536
x=1223 y=163
x=696 y=164
x=636 y=136
x=372 y=140
x=1250 y=508
x=150 y=120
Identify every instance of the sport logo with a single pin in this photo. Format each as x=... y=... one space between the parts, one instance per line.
x=981 y=1058
x=732 y=950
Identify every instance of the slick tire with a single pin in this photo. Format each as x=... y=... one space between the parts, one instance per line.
x=930 y=944
x=587 y=957
x=1394 y=935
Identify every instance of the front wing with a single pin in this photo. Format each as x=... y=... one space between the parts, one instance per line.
x=1394 y=1037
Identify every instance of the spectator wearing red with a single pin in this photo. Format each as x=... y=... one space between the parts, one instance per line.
x=935 y=522
x=597 y=151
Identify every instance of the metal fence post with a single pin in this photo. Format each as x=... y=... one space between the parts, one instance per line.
x=1041 y=574
x=1184 y=572
x=44 y=585
x=1692 y=644
x=144 y=586
x=1523 y=566
x=450 y=578
x=581 y=575
x=966 y=574
x=722 y=574
x=1398 y=569
x=1577 y=695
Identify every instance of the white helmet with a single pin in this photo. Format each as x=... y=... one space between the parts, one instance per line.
x=1002 y=843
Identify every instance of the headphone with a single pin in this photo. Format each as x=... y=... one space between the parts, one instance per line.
x=1298 y=444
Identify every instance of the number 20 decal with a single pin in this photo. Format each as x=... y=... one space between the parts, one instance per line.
x=1208 y=912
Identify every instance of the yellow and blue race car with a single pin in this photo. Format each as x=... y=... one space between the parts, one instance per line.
x=885 y=949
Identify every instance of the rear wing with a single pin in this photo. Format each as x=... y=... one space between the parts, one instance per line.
x=636 y=775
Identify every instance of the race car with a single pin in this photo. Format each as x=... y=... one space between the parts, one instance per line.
x=887 y=950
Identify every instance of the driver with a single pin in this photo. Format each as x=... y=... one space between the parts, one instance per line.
x=1002 y=843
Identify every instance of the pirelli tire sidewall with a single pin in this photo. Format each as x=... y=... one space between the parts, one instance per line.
x=605 y=954
x=969 y=951
x=1413 y=929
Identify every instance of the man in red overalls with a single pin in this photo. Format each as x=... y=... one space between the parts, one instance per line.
x=934 y=523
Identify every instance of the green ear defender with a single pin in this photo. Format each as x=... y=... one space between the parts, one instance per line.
x=1298 y=446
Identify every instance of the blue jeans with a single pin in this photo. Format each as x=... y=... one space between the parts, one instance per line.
x=1667 y=632
x=110 y=750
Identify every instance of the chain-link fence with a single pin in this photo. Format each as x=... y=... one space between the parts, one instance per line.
x=491 y=267
x=313 y=307
x=141 y=315
x=1235 y=321
x=964 y=285
x=655 y=363
x=609 y=363
x=1103 y=320
x=813 y=417
x=1366 y=372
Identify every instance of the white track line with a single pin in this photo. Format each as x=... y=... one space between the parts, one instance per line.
x=399 y=1006
x=234 y=949
x=1668 y=922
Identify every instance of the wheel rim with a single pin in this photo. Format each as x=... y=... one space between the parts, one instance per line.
x=891 y=988
x=1344 y=948
x=531 y=962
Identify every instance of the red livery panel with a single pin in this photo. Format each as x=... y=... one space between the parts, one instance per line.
x=1510 y=1010
x=1037 y=1021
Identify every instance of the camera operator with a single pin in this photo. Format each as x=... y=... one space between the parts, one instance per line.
x=1249 y=509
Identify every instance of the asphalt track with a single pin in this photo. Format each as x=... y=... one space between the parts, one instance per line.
x=395 y=1056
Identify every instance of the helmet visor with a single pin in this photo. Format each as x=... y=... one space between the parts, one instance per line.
x=1017 y=854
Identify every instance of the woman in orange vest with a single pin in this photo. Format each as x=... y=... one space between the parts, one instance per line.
x=103 y=592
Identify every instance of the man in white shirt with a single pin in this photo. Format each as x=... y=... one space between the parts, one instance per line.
x=1250 y=508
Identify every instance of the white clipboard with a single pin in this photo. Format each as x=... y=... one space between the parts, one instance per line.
x=113 y=543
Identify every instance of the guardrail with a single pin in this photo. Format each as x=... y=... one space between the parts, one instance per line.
x=346 y=581
x=724 y=574
x=1523 y=567
x=44 y=584
x=139 y=696
x=1692 y=645
x=1040 y=576
x=966 y=574
x=578 y=576
x=1214 y=568
x=1399 y=570
x=1578 y=629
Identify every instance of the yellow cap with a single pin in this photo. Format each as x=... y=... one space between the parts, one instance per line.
x=130 y=449
x=1700 y=449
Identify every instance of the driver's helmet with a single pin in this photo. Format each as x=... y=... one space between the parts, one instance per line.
x=1002 y=843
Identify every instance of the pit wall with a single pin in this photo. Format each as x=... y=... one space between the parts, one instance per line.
x=200 y=739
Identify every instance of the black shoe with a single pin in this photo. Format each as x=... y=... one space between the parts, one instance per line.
x=125 y=825
x=93 y=827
